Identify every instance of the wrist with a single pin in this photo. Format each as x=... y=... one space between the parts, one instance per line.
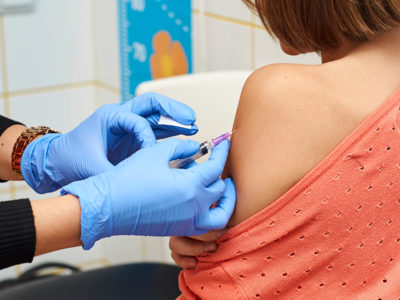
x=22 y=142
x=34 y=167
x=57 y=223
x=96 y=213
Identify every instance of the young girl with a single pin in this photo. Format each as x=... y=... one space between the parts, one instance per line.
x=316 y=163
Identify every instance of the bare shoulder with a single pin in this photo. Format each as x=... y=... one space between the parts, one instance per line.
x=288 y=92
x=279 y=82
x=284 y=117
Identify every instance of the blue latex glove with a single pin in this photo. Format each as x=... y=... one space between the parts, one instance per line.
x=111 y=134
x=143 y=196
x=151 y=106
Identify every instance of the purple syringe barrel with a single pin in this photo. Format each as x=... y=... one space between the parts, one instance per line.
x=205 y=148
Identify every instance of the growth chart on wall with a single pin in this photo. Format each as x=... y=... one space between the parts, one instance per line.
x=155 y=41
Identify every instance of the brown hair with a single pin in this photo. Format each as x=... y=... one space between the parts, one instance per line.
x=315 y=25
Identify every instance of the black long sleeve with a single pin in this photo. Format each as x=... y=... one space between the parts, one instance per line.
x=17 y=232
x=4 y=124
x=17 y=227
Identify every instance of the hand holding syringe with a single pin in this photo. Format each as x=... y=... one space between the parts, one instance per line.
x=205 y=148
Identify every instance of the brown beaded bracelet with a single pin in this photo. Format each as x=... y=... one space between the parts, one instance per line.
x=23 y=141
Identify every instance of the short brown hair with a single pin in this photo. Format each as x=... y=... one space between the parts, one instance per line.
x=315 y=25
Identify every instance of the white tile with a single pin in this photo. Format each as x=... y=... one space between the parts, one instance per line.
x=23 y=193
x=8 y=273
x=1 y=70
x=124 y=249
x=62 y=110
x=156 y=249
x=107 y=96
x=195 y=4
x=233 y=9
x=268 y=51
x=21 y=186
x=52 y=45
x=257 y=20
x=106 y=42
x=2 y=106
x=12 y=190
x=6 y=197
x=20 y=190
x=198 y=45
x=5 y=191
x=228 y=46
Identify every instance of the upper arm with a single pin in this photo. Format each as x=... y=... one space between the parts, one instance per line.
x=269 y=124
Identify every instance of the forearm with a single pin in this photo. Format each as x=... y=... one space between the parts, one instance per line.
x=57 y=223
x=30 y=228
x=7 y=141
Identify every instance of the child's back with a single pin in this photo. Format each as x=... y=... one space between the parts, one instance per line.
x=292 y=116
x=316 y=163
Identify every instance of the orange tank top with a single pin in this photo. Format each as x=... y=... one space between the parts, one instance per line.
x=333 y=235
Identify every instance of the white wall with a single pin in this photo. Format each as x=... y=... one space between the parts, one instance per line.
x=49 y=76
x=61 y=62
x=227 y=36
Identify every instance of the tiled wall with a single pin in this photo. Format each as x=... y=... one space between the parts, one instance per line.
x=61 y=62
x=228 y=36
x=50 y=75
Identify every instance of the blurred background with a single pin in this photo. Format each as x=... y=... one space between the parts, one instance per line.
x=60 y=60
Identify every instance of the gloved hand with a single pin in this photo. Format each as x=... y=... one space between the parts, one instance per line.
x=151 y=106
x=108 y=136
x=143 y=196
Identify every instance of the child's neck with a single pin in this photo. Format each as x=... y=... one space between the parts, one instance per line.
x=388 y=42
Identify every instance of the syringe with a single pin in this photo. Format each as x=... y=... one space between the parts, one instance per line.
x=205 y=147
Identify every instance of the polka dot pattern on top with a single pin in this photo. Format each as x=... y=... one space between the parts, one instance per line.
x=333 y=235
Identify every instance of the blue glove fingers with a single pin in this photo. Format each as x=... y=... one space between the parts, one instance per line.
x=127 y=122
x=215 y=191
x=150 y=103
x=175 y=149
x=211 y=170
x=222 y=212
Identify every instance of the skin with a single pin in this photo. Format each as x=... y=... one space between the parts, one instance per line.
x=310 y=110
x=57 y=223
x=57 y=220
x=7 y=141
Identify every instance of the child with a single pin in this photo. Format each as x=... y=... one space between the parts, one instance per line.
x=316 y=163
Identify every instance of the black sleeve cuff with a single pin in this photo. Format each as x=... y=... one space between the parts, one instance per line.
x=17 y=233
x=4 y=124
